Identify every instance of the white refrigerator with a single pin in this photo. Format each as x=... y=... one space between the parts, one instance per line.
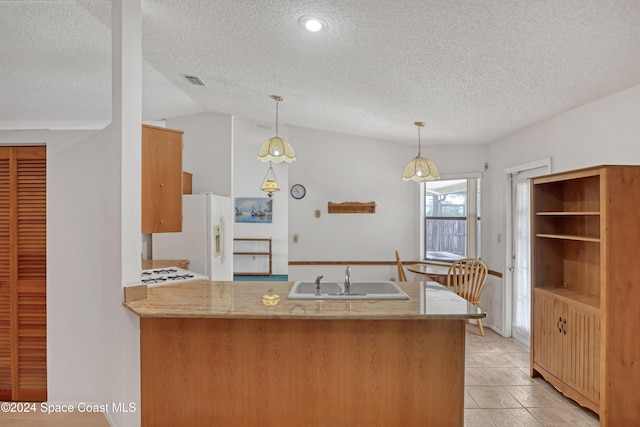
x=206 y=238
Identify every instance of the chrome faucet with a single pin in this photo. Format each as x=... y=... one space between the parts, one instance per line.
x=347 y=281
x=318 y=285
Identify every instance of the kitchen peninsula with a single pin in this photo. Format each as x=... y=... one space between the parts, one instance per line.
x=212 y=353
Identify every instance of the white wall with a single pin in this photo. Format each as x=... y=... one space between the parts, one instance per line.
x=606 y=131
x=248 y=173
x=365 y=170
x=342 y=168
x=207 y=150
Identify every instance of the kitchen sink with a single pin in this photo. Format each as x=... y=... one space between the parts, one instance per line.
x=359 y=290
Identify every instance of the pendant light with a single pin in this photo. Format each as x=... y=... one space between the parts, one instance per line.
x=419 y=168
x=276 y=149
x=269 y=183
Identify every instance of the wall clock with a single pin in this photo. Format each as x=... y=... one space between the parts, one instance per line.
x=298 y=191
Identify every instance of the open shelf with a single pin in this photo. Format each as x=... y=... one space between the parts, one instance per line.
x=568 y=225
x=569 y=237
x=577 y=193
x=570 y=295
x=254 y=242
x=562 y=213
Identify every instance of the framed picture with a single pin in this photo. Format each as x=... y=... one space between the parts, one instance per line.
x=254 y=209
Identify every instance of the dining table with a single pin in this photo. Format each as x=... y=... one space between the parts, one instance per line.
x=437 y=273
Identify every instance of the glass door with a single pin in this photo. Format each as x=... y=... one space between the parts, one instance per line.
x=520 y=268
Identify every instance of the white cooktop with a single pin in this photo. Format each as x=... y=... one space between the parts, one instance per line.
x=169 y=276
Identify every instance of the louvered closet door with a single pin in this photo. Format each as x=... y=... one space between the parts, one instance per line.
x=23 y=312
x=30 y=273
x=5 y=283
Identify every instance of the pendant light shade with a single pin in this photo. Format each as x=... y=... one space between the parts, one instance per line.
x=276 y=149
x=269 y=183
x=419 y=168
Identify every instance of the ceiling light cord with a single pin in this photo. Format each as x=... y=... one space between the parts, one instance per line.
x=277 y=102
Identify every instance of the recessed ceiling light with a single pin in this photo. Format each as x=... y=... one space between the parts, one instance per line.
x=313 y=24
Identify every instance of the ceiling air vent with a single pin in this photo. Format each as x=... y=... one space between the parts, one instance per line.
x=194 y=80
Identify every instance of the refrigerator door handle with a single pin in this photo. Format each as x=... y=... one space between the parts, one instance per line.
x=219 y=239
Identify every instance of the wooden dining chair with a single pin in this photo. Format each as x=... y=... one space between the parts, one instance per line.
x=401 y=276
x=466 y=278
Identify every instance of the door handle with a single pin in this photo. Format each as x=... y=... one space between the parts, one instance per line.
x=558 y=325
x=564 y=323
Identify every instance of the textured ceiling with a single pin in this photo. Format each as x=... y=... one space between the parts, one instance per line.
x=474 y=71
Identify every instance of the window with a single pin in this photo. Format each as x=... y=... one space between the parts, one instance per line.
x=451 y=219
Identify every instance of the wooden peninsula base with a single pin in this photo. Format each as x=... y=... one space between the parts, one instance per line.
x=301 y=372
x=234 y=354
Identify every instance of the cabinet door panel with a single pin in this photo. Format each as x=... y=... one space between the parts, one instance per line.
x=547 y=338
x=161 y=180
x=581 y=352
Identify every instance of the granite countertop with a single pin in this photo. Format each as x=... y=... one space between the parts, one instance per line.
x=237 y=300
x=149 y=264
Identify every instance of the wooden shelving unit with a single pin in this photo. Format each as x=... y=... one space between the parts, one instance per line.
x=586 y=234
x=267 y=253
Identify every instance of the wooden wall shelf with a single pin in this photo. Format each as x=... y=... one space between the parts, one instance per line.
x=265 y=252
x=352 y=207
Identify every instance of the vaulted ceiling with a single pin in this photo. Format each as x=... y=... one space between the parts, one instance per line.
x=474 y=71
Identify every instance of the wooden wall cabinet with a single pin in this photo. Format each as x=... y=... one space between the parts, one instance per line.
x=187 y=183
x=585 y=239
x=161 y=180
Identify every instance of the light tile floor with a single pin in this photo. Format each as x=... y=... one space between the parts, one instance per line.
x=498 y=392
x=42 y=419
